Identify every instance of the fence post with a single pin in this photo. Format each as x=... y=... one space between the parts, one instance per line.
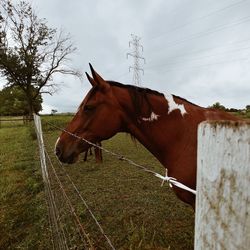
x=39 y=133
x=222 y=219
x=57 y=235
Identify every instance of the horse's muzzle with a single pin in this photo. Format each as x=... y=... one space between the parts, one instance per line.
x=69 y=159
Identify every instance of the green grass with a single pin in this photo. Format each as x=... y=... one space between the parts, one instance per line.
x=133 y=208
x=22 y=207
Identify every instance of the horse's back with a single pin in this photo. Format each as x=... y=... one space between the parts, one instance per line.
x=213 y=115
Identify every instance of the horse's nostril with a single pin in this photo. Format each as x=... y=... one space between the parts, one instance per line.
x=58 y=151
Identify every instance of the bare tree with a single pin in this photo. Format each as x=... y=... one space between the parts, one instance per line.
x=31 y=53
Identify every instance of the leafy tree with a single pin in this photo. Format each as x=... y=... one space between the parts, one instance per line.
x=248 y=107
x=53 y=111
x=14 y=102
x=217 y=105
x=31 y=53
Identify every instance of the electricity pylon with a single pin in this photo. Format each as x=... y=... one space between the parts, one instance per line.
x=137 y=55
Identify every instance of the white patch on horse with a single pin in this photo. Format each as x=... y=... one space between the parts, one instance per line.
x=153 y=117
x=172 y=105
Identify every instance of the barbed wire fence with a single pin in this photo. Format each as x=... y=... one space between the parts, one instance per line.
x=57 y=233
x=62 y=197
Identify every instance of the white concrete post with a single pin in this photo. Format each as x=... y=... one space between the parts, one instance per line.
x=222 y=219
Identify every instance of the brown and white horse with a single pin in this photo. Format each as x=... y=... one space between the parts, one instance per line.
x=165 y=124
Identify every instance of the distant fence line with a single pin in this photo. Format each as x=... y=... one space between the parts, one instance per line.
x=16 y=119
x=24 y=120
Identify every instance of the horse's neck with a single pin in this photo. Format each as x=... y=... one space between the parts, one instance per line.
x=166 y=135
x=165 y=140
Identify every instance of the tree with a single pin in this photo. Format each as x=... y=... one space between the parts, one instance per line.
x=31 y=52
x=217 y=105
x=14 y=102
x=53 y=111
x=248 y=107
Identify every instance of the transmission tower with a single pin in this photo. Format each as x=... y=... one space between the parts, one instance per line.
x=137 y=50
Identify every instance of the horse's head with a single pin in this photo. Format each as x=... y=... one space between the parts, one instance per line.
x=98 y=118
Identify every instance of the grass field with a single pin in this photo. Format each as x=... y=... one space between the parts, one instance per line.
x=22 y=206
x=132 y=207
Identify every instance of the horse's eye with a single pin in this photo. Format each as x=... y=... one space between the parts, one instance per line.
x=88 y=108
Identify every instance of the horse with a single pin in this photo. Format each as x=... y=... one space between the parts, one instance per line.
x=165 y=124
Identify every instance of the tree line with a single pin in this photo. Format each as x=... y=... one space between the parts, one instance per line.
x=14 y=102
x=219 y=106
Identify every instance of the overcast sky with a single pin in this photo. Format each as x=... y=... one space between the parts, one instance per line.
x=199 y=50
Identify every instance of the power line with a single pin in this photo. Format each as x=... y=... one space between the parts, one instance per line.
x=199 y=57
x=211 y=48
x=203 y=65
x=137 y=55
x=199 y=18
x=208 y=32
x=196 y=58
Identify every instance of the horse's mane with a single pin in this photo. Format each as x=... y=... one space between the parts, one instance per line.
x=135 y=88
x=146 y=91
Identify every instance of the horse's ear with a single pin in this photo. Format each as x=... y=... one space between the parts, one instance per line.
x=91 y=80
x=98 y=79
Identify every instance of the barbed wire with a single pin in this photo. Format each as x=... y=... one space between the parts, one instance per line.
x=83 y=200
x=70 y=205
